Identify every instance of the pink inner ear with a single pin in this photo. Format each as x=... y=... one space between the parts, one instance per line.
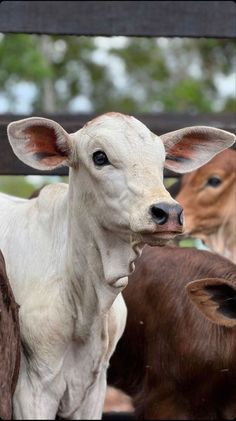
x=42 y=143
x=183 y=150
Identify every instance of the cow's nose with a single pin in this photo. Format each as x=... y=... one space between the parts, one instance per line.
x=161 y=212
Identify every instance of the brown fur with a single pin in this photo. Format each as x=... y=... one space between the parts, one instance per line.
x=173 y=361
x=9 y=344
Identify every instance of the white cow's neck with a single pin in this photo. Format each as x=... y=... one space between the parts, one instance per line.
x=98 y=262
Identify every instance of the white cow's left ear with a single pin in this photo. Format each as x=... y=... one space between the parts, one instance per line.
x=189 y=148
x=40 y=143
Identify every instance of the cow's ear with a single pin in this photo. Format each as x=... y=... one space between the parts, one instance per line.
x=215 y=298
x=40 y=143
x=189 y=148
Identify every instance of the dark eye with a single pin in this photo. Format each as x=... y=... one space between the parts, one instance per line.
x=214 y=181
x=100 y=158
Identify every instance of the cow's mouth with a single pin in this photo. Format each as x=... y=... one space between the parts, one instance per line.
x=159 y=238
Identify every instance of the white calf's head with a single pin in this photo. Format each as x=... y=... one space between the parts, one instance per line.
x=117 y=167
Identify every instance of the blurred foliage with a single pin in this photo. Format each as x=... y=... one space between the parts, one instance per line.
x=16 y=185
x=136 y=75
x=187 y=242
x=21 y=59
x=25 y=186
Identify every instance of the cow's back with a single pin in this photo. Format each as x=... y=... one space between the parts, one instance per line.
x=170 y=353
x=9 y=343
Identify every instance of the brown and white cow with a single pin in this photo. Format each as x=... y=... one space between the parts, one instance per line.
x=9 y=344
x=208 y=196
x=172 y=360
x=68 y=252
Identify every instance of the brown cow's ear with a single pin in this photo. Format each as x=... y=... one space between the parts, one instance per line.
x=215 y=298
x=189 y=148
x=40 y=143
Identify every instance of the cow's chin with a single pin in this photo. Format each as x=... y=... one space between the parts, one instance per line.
x=158 y=239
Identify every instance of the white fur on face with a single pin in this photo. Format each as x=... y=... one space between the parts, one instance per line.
x=125 y=189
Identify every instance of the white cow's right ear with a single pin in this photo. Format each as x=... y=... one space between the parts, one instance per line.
x=40 y=143
x=189 y=148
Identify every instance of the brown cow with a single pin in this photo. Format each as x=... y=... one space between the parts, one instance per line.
x=9 y=344
x=173 y=361
x=208 y=196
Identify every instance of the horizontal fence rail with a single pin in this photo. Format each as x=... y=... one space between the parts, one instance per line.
x=157 y=123
x=131 y=18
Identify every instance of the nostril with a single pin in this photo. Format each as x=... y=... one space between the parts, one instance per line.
x=178 y=210
x=181 y=217
x=164 y=212
x=160 y=215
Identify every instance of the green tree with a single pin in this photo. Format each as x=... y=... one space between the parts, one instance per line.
x=152 y=74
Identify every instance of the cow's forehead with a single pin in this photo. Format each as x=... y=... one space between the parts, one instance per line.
x=116 y=122
x=122 y=131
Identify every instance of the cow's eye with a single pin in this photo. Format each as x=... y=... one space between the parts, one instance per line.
x=214 y=181
x=100 y=159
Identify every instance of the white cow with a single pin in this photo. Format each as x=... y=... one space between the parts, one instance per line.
x=69 y=251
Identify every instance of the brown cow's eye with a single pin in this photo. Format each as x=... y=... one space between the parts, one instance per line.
x=100 y=159
x=214 y=181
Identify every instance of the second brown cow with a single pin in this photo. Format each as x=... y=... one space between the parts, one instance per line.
x=173 y=361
